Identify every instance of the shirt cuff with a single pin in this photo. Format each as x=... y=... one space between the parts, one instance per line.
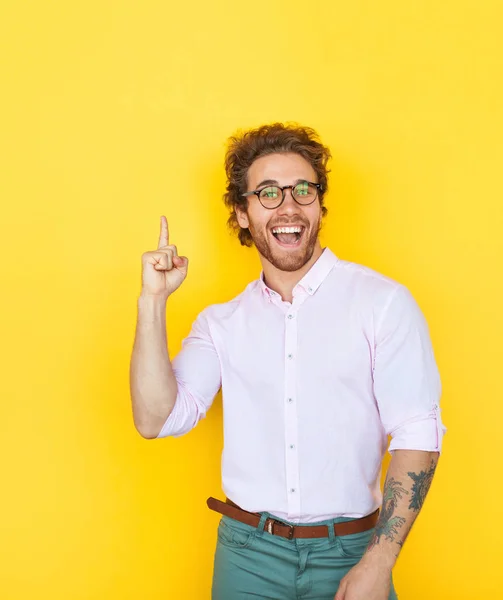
x=420 y=433
x=177 y=424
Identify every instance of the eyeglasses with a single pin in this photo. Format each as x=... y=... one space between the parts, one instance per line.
x=272 y=196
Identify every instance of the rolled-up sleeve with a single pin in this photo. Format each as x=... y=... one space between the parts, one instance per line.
x=198 y=375
x=407 y=385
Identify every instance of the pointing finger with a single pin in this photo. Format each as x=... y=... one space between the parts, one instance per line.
x=164 y=235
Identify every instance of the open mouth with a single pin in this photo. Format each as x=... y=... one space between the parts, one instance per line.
x=288 y=237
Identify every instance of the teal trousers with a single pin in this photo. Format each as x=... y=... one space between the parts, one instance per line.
x=252 y=563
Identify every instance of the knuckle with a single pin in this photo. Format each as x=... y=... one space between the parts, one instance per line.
x=168 y=248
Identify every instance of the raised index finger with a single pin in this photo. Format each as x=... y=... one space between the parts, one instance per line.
x=164 y=235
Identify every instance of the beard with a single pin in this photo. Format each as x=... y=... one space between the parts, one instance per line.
x=286 y=259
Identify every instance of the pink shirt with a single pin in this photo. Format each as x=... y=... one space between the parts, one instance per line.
x=311 y=389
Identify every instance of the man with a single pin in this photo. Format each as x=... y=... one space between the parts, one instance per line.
x=319 y=360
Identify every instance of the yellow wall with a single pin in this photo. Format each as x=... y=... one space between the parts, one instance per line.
x=114 y=113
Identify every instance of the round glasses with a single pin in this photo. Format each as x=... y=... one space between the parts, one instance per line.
x=272 y=196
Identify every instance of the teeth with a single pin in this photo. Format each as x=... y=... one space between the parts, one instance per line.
x=287 y=230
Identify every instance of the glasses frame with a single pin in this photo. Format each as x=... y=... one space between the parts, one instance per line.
x=283 y=188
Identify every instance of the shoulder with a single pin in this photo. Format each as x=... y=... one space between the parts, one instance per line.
x=372 y=292
x=364 y=275
x=223 y=311
x=364 y=283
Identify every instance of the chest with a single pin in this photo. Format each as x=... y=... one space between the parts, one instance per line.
x=303 y=345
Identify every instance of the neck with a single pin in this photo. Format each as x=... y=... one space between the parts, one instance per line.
x=283 y=282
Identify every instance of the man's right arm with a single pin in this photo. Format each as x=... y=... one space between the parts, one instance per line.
x=152 y=382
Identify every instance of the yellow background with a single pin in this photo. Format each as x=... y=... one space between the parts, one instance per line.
x=113 y=113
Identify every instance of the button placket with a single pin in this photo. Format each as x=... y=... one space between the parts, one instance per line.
x=291 y=417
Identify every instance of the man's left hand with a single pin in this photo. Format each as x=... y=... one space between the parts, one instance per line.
x=366 y=581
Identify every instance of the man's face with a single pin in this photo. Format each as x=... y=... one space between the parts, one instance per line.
x=287 y=252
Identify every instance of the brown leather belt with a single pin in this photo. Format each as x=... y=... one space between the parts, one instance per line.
x=275 y=527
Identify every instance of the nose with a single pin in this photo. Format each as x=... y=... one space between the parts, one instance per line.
x=289 y=206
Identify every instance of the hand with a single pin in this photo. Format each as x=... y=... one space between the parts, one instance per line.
x=163 y=270
x=366 y=581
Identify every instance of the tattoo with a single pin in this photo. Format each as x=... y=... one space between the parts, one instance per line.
x=422 y=482
x=388 y=523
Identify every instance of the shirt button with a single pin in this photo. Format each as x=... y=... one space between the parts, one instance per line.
x=292 y=490
x=290 y=356
x=292 y=446
x=290 y=400
x=290 y=316
x=309 y=289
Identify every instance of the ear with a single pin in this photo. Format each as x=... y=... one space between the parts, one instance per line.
x=242 y=218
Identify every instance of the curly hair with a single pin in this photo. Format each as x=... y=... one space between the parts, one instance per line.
x=244 y=148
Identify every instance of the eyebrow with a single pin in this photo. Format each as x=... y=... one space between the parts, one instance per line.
x=274 y=182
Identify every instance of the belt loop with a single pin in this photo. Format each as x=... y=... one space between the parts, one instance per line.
x=260 y=527
x=331 y=531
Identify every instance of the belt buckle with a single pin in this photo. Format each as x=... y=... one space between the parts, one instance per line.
x=270 y=527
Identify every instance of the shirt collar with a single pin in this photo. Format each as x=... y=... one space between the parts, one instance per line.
x=312 y=279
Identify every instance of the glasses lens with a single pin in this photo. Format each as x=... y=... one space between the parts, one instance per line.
x=305 y=192
x=270 y=196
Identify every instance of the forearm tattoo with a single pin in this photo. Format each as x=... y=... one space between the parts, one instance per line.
x=389 y=522
x=420 y=487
